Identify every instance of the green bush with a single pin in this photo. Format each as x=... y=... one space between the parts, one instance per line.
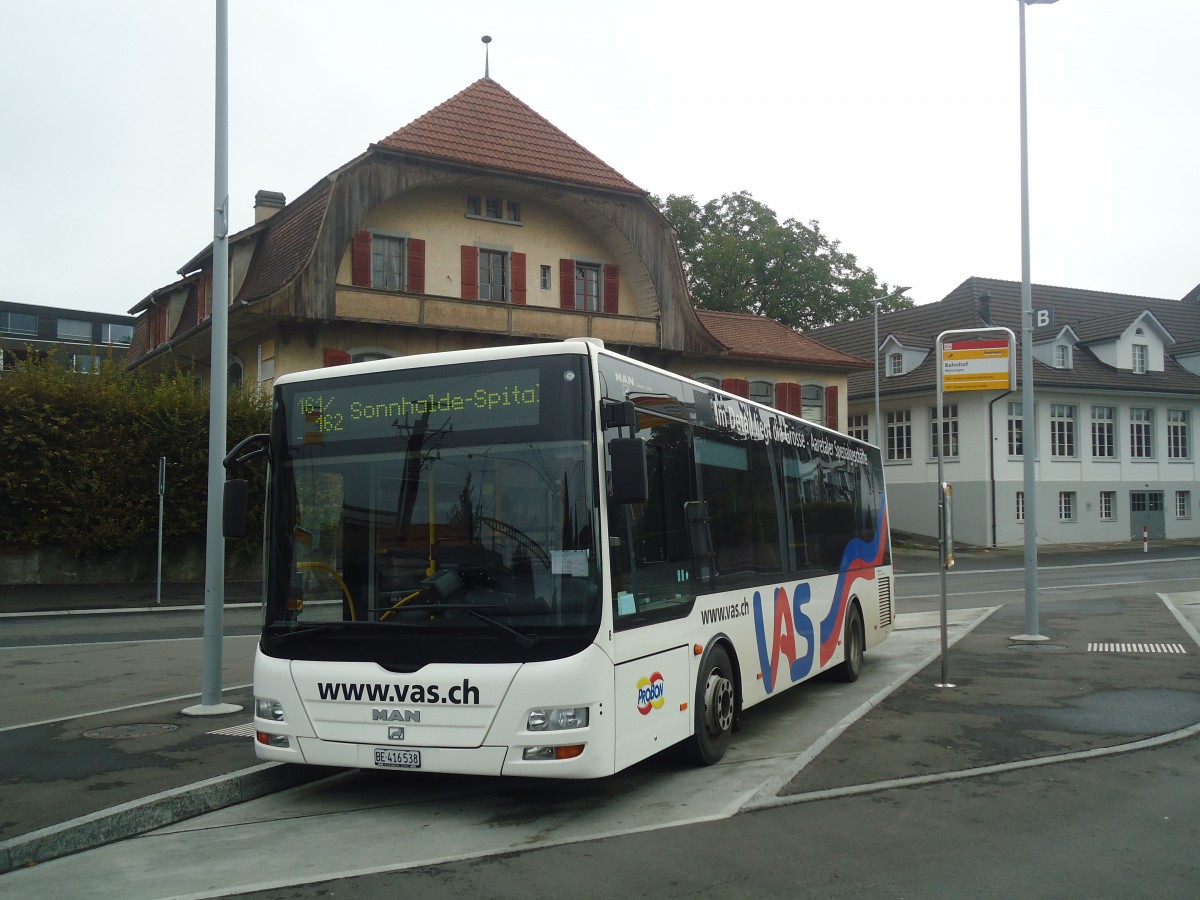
x=79 y=456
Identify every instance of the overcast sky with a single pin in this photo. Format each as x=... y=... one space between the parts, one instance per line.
x=893 y=124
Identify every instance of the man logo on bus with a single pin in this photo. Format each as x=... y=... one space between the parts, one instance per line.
x=650 y=693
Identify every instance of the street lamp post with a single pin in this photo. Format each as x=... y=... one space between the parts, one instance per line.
x=1028 y=432
x=878 y=422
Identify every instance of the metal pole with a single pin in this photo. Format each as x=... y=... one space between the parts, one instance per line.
x=214 y=559
x=162 y=490
x=1028 y=414
x=878 y=421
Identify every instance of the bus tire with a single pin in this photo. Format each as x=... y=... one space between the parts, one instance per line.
x=715 y=707
x=855 y=642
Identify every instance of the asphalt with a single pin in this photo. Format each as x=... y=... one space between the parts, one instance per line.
x=72 y=784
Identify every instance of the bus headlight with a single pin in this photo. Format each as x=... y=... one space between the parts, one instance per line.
x=558 y=718
x=271 y=710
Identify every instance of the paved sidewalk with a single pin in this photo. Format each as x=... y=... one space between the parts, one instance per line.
x=76 y=783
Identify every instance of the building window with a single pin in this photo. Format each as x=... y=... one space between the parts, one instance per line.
x=1104 y=432
x=388 y=255
x=1016 y=429
x=514 y=211
x=1020 y=506
x=949 y=446
x=85 y=362
x=234 y=372
x=1183 y=504
x=1108 y=505
x=474 y=205
x=1140 y=353
x=899 y=435
x=18 y=323
x=496 y=208
x=812 y=403
x=1062 y=430
x=266 y=361
x=895 y=364
x=587 y=286
x=369 y=356
x=111 y=333
x=711 y=380
x=762 y=392
x=1178 y=443
x=1141 y=433
x=1062 y=356
x=856 y=427
x=74 y=330
x=493 y=275
x=545 y=278
x=1066 y=506
x=493 y=208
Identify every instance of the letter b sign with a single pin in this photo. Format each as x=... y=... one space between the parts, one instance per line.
x=1043 y=318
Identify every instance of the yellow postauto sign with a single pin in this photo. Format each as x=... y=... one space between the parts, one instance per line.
x=976 y=365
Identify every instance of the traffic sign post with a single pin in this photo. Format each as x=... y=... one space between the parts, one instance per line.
x=978 y=359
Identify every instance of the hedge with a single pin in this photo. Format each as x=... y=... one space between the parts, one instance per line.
x=79 y=456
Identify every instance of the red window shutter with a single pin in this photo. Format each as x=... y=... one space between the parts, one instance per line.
x=566 y=283
x=787 y=398
x=416 y=265
x=518 y=278
x=612 y=285
x=739 y=386
x=470 y=273
x=360 y=259
x=336 y=357
x=831 y=407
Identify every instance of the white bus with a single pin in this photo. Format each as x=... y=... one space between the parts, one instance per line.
x=548 y=560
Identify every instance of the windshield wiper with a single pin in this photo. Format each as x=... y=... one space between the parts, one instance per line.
x=528 y=641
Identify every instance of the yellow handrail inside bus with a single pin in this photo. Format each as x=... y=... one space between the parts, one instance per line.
x=325 y=567
x=399 y=603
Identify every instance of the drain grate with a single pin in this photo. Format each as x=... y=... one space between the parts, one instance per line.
x=126 y=732
x=246 y=730
x=1136 y=648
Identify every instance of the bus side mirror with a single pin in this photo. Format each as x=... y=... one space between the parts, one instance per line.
x=629 y=482
x=235 y=504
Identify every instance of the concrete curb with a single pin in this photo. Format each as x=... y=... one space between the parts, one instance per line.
x=156 y=811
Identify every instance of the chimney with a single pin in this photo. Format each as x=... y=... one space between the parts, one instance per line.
x=985 y=308
x=266 y=204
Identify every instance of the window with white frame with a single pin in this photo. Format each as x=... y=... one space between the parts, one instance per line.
x=949 y=443
x=1062 y=356
x=710 y=380
x=1183 y=504
x=762 y=392
x=1020 y=506
x=1178 y=437
x=1140 y=355
x=1108 y=506
x=587 y=286
x=1066 y=506
x=493 y=275
x=812 y=403
x=895 y=364
x=1016 y=429
x=1141 y=433
x=545 y=278
x=389 y=258
x=1104 y=432
x=899 y=435
x=114 y=333
x=856 y=427
x=1062 y=430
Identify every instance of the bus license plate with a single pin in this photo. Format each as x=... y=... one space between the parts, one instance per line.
x=397 y=759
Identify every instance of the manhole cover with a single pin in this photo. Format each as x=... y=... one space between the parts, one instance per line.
x=125 y=732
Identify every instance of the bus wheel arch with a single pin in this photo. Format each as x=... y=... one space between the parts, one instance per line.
x=854 y=643
x=716 y=703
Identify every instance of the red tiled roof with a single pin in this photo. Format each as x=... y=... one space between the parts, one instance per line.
x=484 y=125
x=756 y=336
x=287 y=243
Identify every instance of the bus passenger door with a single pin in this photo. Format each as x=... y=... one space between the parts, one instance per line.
x=653 y=704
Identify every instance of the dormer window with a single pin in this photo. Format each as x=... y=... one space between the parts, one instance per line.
x=498 y=209
x=1062 y=356
x=1140 y=354
x=895 y=364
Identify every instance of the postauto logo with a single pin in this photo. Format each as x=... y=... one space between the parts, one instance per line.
x=650 y=693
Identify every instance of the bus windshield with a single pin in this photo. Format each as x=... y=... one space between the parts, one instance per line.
x=434 y=514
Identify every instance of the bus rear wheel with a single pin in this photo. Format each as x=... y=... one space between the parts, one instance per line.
x=716 y=706
x=854 y=642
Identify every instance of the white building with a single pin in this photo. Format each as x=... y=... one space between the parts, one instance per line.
x=1117 y=394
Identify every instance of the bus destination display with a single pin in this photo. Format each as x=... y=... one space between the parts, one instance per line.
x=349 y=410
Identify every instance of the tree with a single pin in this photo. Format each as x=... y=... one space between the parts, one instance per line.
x=738 y=257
